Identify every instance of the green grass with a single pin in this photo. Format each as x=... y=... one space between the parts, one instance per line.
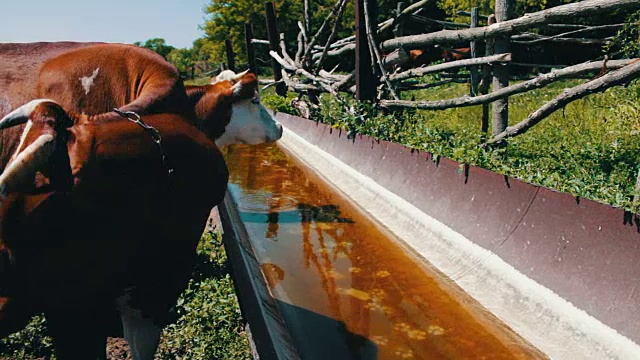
x=590 y=149
x=209 y=326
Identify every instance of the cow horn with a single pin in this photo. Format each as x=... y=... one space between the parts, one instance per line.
x=240 y=75
x=20 y=115
x=21 y=169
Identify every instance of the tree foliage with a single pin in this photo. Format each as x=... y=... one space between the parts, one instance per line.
x=627 y=40
x=486 y=6
x=158 y=45
x=225 y=19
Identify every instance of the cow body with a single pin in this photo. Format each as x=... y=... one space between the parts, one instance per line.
x=101 y=224
x=111 y=226
x=96 y=79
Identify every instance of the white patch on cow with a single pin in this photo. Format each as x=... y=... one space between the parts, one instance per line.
x=250 y=123
x=87 y=81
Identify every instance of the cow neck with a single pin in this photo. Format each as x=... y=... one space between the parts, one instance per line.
x=197 y=96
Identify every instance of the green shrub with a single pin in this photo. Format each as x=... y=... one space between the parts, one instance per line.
x=210 y=324
x=590 y=149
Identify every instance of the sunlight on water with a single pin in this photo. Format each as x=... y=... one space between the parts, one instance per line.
x=346 y=289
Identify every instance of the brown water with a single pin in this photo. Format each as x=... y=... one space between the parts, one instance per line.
x=346 y=288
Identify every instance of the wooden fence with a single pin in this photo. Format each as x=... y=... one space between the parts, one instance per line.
x=380 y=78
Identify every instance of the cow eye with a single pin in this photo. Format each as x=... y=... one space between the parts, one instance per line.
x=255 y=100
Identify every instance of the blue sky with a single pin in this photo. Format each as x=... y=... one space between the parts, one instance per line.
x=122 y=21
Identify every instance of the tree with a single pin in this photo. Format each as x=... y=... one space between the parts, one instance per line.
x=226 y=19
x=183 y=60
x=487 y=6
x=627 y=40
x=156 y=44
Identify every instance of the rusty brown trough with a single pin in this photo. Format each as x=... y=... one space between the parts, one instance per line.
x=561 y=271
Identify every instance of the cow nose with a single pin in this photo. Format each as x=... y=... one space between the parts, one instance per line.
x=279 y=131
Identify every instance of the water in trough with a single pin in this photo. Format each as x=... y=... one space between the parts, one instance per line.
x=345 y=287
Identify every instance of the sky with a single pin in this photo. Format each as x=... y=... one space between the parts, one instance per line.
x=123 y=21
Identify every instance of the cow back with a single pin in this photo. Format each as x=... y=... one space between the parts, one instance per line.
x=94 y=80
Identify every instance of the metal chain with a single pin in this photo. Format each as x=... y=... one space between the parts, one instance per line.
x=155 y=134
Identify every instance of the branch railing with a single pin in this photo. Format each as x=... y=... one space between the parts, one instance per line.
x=304 y=72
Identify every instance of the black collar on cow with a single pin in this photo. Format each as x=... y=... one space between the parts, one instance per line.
x=155 y=134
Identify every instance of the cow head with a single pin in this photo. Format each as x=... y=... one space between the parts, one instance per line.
x=231 y=113
x=45 y=123
x=25 y=184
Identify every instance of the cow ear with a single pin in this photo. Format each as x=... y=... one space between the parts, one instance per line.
x=245 y=88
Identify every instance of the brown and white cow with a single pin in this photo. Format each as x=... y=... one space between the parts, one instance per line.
x=217 y=104
x=91 y=217
x=96 y=79
x=250 y=122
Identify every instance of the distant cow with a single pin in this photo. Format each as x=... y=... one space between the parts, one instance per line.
x=91 y=219
x=456 y=54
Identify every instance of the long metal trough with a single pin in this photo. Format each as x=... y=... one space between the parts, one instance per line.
x=562 y=272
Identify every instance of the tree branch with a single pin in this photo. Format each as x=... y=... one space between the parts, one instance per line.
x=525 y=86
x=314 y=39
x=450 y=65
x=509 y=27
x=376 y=51
x=332 y=36
x=600 y=84
x=392 y=22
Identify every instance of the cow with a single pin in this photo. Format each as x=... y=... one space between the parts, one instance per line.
x=81 y=79
x=454 y=54
x=96 y=79
x=250 y=121
x=219 y=104
x=96 y=215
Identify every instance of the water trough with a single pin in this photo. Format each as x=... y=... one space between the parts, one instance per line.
x=558 y=274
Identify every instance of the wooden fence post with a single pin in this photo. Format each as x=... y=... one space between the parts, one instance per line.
x=365 y=78
x=500 y=110
x=251 y=54
x=398 y=30
x=230 y=55
x=473 y=89
x=272 y=31
x=486 y=79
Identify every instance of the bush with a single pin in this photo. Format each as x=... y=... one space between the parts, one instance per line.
x=590 y=149
x=210 y=324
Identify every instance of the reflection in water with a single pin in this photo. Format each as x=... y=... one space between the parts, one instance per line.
x=273 y=273
x=367 y=297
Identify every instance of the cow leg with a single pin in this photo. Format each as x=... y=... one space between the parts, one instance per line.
x=76 y=336
x=142 y=334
